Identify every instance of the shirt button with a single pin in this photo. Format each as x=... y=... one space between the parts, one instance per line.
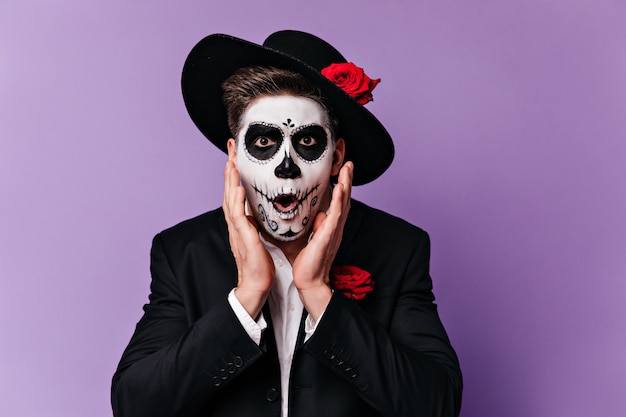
x=291 y=307
x=271 y=395
x=279 y=262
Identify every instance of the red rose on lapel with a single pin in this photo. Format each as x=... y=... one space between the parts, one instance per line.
x=352 y=80
x=353 y=282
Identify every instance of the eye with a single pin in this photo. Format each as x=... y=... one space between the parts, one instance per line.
x=263 y=142
x=308 y=141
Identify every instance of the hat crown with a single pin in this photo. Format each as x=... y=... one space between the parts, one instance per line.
x=218 y=56
x=304 y=47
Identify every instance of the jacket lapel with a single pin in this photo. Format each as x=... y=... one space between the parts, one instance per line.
x=353 y=223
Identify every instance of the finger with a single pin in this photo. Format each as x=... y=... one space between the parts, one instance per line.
x=231 y=187
x=238 y=199
x=325 y=224
x=240 y=229
x=226 y=175
x=234 y=195
x=227 y=205
x=244 y=223
x=342 y=191
x=233 y=178
x=345 y=178
x=228 y=183
x=330 y=227
x=337 y=201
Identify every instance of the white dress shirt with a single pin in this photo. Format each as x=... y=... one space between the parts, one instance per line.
x=286 y=310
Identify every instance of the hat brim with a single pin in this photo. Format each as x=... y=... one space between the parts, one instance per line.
x=218 y=56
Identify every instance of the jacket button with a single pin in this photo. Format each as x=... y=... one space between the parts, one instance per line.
x=271 y=395
x=223 y=374
x=238 y=362
x=230 y=367
x=217 y=381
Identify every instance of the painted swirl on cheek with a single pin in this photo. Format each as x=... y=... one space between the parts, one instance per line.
x=310 y=142
x=262 y=141
x=272 y=224
x=306 y=219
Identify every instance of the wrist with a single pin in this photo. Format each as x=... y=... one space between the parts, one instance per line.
x=316 y=299
x=251 y=300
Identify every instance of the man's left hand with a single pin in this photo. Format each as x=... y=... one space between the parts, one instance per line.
x=311 y=267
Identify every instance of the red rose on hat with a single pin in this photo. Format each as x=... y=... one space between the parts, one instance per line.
x=353 y=282
x=352 y=80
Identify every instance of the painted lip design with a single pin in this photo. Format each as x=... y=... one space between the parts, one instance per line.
x=285 y=203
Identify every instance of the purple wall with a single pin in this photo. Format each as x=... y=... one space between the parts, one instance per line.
x=510 y=125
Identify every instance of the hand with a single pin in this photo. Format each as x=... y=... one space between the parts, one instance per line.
x=255 y=268
x=311 y=267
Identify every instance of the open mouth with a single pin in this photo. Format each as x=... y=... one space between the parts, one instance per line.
x=285 y=203
x=287 y=200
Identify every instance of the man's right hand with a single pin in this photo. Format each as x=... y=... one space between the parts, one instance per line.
x=255 y=267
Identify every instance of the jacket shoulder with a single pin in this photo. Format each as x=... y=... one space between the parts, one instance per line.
x=381 y=223
x=211 y=225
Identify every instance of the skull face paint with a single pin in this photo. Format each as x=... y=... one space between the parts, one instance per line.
x=284 y=158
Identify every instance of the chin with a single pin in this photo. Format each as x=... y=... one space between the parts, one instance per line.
x=282 y=225
x=288 y=233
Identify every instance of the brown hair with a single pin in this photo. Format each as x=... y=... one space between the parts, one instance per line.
x=248 y=84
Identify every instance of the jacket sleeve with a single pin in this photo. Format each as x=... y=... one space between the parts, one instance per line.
x=171 y=365
x=404 y=368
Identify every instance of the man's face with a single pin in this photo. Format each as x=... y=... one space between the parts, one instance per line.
x=285 y=159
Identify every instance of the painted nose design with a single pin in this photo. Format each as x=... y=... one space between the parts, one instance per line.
x=287 y=168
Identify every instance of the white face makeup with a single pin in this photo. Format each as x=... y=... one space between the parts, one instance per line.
x=284 y=158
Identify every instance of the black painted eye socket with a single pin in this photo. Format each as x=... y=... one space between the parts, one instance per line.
x=263 y=141
x=310 y=142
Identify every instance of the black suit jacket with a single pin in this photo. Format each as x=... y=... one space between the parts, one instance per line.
x=385 y=355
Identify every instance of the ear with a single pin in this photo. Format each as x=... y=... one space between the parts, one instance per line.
x=232 y=150
x=338 y=155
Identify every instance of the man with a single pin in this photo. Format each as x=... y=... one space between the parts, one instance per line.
x=292 y=299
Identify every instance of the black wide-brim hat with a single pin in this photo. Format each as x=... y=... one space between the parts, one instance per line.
x=218 y=56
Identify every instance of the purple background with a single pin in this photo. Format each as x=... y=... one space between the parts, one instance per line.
x=509 y=119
